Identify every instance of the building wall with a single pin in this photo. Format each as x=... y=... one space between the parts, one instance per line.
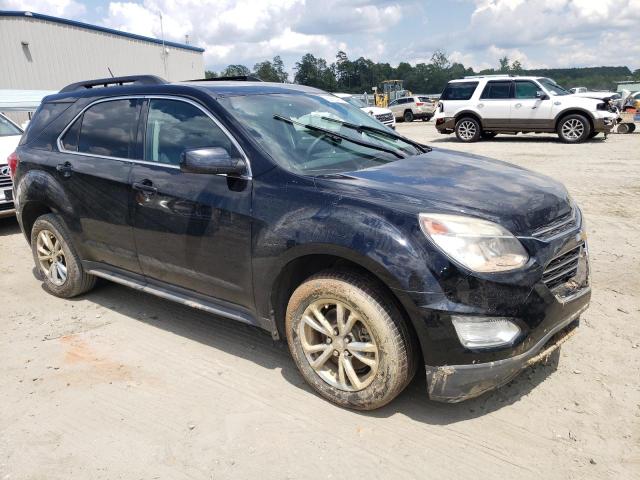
x=58 y=54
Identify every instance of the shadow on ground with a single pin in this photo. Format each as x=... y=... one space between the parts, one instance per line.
x=257 y=346
x=504 y=139
x=9 y=226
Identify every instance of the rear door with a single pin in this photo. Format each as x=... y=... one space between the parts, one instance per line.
x=529 y=111
x=93 y=166
x=495 y=104
x=191 y=230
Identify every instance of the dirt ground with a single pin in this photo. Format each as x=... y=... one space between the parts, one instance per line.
x=120 y=384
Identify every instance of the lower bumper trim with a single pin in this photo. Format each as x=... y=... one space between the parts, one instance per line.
x=456 y=383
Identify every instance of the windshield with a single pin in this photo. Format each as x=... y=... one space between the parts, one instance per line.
x=308 y=150
x=552 y=87
x=356 y=102
x=8 y=129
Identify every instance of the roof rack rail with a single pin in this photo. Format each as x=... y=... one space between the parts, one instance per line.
x=492 y=75
x=115 y=81
x=234 y=78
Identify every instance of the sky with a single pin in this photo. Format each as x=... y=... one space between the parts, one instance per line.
x=538 y=33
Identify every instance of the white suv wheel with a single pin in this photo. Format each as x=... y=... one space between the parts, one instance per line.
x=468 y=130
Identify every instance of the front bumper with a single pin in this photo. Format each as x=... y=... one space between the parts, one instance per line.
x=7 y=207
x=604 y=124
x=456 y=383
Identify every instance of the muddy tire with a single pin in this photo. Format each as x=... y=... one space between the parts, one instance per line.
x=57 y=262
x=349 y=341
x=574 y=128
x=468 y=129
x=408 y=116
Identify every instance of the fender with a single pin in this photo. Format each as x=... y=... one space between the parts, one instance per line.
x=40 y=188
x=570 y=110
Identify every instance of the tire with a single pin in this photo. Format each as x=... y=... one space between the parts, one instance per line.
x=574 y=128
x=468 y=129
x=381 y=334
x=50 y=236
x=488 y=135
x=632 y=127
x=623 y=128
x=408 y=116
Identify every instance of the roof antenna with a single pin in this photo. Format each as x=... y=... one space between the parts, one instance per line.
x=111 y=73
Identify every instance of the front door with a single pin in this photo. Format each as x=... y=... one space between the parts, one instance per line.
x=191 y=230
x=495 y=104
x=94 y=167
x=530 y=112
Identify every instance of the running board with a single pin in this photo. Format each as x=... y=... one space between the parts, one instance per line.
x=193 y=301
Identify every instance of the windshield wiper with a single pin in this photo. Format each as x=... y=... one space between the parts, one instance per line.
x=335 y=135
x=367 y=128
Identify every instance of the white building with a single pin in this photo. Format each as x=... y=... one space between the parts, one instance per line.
x=41 y=52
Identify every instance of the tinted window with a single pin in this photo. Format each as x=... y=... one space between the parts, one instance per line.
x=108 y=128
x=497 y=90
x=8 y=129
x=70 y=139
x=459 y=91
x=424 y=99
x=395 y=102
x=526 y=89
x=174 y=126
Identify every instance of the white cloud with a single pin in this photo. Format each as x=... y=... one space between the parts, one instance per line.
x=61 y=8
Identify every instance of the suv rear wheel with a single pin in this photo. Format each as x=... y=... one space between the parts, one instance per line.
x=56 y=260
x=574 y=128
x=408 y=116
x=348 y=340
x=467 y=129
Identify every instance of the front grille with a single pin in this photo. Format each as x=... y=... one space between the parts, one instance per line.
x=562 y=268
x=6 y=206
x=557 y=227
x=5 y=181
x=385 y=117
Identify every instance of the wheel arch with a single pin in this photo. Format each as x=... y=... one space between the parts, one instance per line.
x=303 y=266
x=571 y=111
x=468 y=113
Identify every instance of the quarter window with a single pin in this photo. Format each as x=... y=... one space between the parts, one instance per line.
x=459 y=91
x=526 y=90
x=107 y=129
x=174 y=126
x=497 y=90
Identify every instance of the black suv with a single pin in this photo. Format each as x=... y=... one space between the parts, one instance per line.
x=284 y=207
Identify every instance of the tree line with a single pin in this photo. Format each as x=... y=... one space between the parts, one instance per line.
x=360 y=75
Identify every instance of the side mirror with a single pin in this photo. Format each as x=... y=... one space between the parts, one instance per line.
x=540 y=95
x=212 y=160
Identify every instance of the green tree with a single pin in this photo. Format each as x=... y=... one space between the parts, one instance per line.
x=278 y=65
x=504 y=64
x=210 y=74
x=235 y=71
x=516 y=67
x=314 y=72
x=266 y=71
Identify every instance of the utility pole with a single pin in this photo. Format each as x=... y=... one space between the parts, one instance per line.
x=164 y=48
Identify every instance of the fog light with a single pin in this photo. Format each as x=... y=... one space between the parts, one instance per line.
x=485 y=332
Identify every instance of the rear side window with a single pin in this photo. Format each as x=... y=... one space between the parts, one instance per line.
x=174 y=126
x=70 y=139
x=8 y=129
x=459 y=91
x=107 y=129
x=424 y=99
x=497 y=90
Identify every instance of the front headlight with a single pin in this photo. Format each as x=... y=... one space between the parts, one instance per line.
x=485 y=332
x=479 y=245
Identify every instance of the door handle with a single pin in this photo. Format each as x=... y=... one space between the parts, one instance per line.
x=518 y=105
x=146 y=187
x=480 y=105
x=66 y=169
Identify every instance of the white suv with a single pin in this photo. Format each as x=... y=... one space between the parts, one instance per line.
x=383 y=115
x=483 y=106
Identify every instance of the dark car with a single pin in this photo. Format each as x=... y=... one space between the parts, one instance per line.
x=284 y=207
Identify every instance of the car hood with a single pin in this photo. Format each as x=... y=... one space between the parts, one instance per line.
x=375 y=110
x=447 y=181
x=8 y=145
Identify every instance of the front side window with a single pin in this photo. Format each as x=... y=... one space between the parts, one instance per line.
x=8 y=129
x=106 y=129
x=526 y=90
x=496 y=91
x=174 y=126
x=459 y=91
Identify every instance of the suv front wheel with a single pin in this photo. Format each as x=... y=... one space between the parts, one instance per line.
x=56 y=260
x=574 y=128
x=408 y=116
x=468 y=129
x=349 y=341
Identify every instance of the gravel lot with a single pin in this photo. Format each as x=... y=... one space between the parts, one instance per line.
x=119 y=384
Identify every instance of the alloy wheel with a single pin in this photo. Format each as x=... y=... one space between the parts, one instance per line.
x=467 y=130
x=573 y=129
x=338 y=345
x=51 y=257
